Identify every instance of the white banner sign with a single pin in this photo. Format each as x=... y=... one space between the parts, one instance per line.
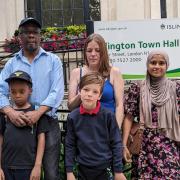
x=129 y=43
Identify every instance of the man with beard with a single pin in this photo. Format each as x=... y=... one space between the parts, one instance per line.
x=48 y=90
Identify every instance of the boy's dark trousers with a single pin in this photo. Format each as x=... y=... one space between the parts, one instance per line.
x=52 y=152
x=90 y=173
x=17 y=174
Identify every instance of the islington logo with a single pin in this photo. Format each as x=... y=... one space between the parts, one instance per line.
x=169 y=26
x=162 y=26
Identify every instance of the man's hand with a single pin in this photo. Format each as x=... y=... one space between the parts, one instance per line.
x=36 y=173
x=33 y=117
x=2 y=177
x=119 y=176
x=70 y=176
x=126 y=154
x=18 y=118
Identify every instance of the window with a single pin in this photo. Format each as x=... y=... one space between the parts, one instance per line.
x=60 y=13
x=30 y=8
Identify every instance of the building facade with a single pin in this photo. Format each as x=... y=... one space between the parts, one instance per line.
x=12 y=11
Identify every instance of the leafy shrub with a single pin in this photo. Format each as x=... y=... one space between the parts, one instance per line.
x=12 y=45
x=53 y=39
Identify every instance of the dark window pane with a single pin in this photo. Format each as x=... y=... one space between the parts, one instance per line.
x=57 y=18
x=46 y=4
x=61 y=12
x=31 y=14
x=67 y=4
x=57 y=4
x=46 y=18
x=68 y=18
x=78 y=3
x=78 y=16
x=30 y=4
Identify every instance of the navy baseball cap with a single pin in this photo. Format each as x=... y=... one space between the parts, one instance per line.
x=28 y=21
x=19 y=75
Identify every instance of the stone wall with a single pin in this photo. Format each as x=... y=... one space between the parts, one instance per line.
x=11 y=12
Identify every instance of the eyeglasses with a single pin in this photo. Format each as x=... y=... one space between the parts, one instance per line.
x=26 y=32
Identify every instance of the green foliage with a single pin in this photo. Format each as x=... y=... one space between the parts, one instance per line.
x=53 y=38
x=61 y=163
x=75 y=30
x=128 y=173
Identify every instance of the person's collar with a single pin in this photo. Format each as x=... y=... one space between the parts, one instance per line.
x=93 y=111
x=41 y=52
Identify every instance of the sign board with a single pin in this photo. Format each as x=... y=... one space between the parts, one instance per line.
x=129 y=43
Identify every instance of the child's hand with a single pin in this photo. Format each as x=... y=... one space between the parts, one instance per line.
x=36 y=173
x=2 y=177
x=119 y=176
x=70 y=176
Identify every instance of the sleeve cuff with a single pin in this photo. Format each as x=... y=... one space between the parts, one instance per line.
x=118 y=169
x=69 y=169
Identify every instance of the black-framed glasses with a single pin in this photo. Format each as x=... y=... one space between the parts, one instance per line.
x=28 y=32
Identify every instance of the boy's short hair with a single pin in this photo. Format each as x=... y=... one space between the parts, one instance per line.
x=91 y=78
x=20 y=76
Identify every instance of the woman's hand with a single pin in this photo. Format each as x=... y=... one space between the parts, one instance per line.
x=127 y=156
x=70 y=176
x=36 y=173
x=2 y=177
x=119 y=176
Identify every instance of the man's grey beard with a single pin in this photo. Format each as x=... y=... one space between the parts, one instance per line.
x=32 y=49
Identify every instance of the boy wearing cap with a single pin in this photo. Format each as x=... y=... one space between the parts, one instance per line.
x=21 y=148
x=46 y=71
x=93 y=136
